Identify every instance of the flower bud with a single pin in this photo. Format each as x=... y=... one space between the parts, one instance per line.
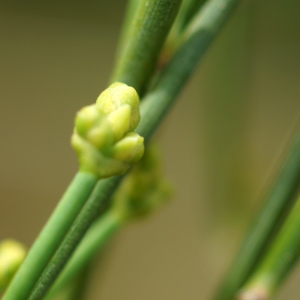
x=12 y=254
x=103 y=137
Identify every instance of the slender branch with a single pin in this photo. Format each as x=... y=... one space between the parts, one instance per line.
x=186 y=13
x=130 y=14
x=75 y=289
x=95 y=205
x=142 y=192
x=199 y=36
x=150 y=27
x=278 y=260
x=51 y=236
x=98 y=234
x=279 y=199
x=189 y=9
x=153 y=109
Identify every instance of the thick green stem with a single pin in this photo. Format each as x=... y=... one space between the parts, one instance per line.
x=50 y=237
x=279 y=258
x=277 y=202
x=99 y=233
x=156 y=104
x=151 y=25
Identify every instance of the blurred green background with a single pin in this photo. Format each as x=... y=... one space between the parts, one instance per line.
x=221 y=144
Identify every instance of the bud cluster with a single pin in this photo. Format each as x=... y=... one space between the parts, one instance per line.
x=12 y=254
x=103 y=136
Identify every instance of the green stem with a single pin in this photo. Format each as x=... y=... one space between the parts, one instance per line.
x=199 y=36
x=95 y=205
x=101 y=230
x=51 y=236
x=186 y=13
x=79 y=286
x=153 y=109
x=131 y=10
x=189 y=9
x=278 y=259
x=151 y=25
x=277 y=202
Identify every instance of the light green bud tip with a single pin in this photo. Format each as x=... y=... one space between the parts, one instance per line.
x=12 y=254
x=103 y=136
x=143 y=190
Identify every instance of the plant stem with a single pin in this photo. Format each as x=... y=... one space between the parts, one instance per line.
x=76 y=288
x=279 y=199
x=97 y=235
x=79 y=286
x=150 y=27
x=95 y=205
x=130 y=13
x=51 y=236
x=189 y=9
x=279 y=258
x=153 y=109
x=199 y=36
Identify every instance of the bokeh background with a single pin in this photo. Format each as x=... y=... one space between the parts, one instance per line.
x=221 y=144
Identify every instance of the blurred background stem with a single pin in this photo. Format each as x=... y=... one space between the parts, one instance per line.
x=278 y=201
x=277 y=260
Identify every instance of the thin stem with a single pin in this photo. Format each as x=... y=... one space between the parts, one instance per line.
x=126 y=28
x=279 y=199
x=95 y=205
x=76 y=288
x=153 y=109
x=97 y=235
x=278 y=259
x=189 y=9
x=51 y=236
x=151 y=25
x=199 y=36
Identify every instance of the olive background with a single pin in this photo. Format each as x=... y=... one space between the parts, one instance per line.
x=221 y=144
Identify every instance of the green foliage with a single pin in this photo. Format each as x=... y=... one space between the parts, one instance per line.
x=99 y=201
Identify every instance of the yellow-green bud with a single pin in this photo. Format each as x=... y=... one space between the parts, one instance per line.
x=12 y=254
x=129 y=149
x=117 y=95
x=103 y=137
